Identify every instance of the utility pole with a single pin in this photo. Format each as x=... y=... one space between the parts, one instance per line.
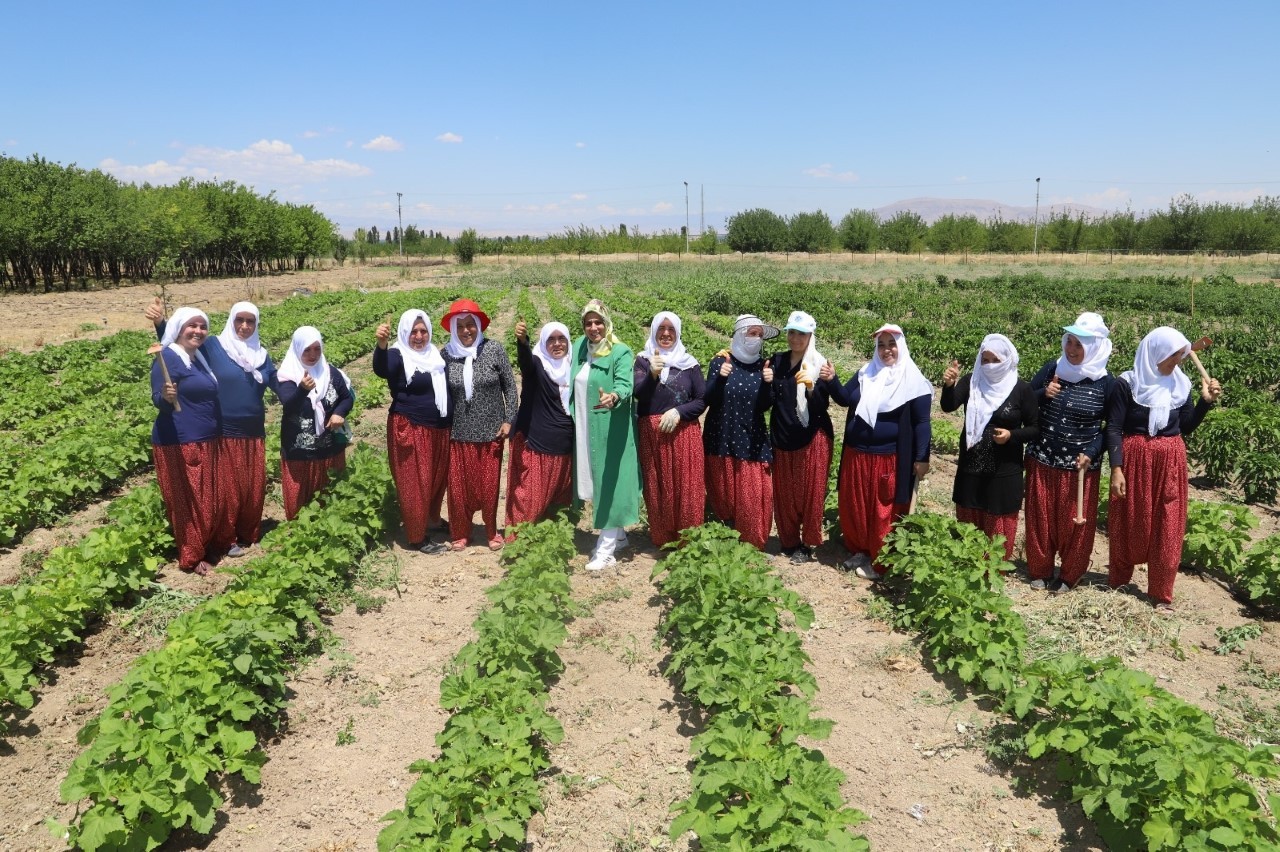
x=686 y=217
x=1035 y=236
x=400 y=216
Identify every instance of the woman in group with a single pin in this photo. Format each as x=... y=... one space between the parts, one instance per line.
x=886 y=447
x=735 y=438
x=244 y=371
x=1072 y=392
x=184 y=439
x=605 y=469
x=316 y=399
x=539 y=472
x=670 y=397
x=1000 y=416
x=417 y=424
x=802 y=436
x=1148 y=415
x=482 y=396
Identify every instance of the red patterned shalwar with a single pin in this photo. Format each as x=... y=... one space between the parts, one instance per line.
x=992 y=525
x=300 y=480
x=866 y=487
x=475 y=471
x=242 y=464
x=1148 y=525
x=673 y=465
x=419 y=458
x=741 y=495
x=800 y=491
x=1050 y=506
x=536 y=483
x=187 y=476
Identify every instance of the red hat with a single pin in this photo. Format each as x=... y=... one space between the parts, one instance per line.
x=463 y=306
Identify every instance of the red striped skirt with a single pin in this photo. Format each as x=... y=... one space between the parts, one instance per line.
x=866 y=487
x=1149 y=523
x=800 y=491
x=992 y=525
x=188 y=480
x=419 y=458
x=1052 y=531
x=242 y=465
x=536 y=483
x=300 y=480
x=673 y=465
x=741 y=495
x=475 y=471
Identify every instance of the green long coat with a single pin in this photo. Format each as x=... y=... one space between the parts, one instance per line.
x=615 y=467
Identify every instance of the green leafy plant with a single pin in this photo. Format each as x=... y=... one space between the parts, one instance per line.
x=1231 y=639
x=1217 y=534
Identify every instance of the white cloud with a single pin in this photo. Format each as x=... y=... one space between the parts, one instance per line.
x=579 y=144
x=962 y=179
x=382 y=143
x=316 y=134
x=269 y=162
x=662 y=207
x=1232 y=196
x=579 y=196
x=827 y=172
x=449 y=137
x=606 y=210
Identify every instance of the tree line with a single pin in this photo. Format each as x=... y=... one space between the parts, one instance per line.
x=1186 y=226
x=62 y=227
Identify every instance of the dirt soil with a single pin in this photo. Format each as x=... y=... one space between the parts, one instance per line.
x=913 y=748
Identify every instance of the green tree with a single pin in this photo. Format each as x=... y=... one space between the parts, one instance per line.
x=955 y=234
x=811 y=232
x=904 y=232
x=1009 y=237
x=757 y=230
x=466 y=246
x=860 y=231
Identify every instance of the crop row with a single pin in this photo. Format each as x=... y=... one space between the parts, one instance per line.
x=1217 y=539
x=191 y=712
x=76 y=586
x=754 y=785
x=1148 y=768
x=483 y=788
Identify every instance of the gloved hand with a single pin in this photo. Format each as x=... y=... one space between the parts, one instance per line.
x=669 y=421
x=656 y=363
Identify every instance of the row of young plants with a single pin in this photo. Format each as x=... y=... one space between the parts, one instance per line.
x=76 y=586
x=190 y=713
x=483 y=788
x=735 y=653
x=1147 y=767
x=1218 y=540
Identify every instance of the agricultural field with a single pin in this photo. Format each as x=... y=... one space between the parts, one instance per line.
x=338 y=691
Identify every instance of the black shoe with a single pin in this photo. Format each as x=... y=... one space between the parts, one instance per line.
x=1060 y=587
x=434 y=548
x=801 y=555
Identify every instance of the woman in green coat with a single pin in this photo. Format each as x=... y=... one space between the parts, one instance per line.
x=605 y=466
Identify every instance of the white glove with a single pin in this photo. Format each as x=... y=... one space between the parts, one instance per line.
x=669 y=421
x=656 y=363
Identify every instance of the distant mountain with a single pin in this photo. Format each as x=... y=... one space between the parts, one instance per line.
x=933 y=209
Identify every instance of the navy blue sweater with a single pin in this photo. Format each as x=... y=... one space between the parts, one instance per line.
x=415 y=400
x=201 y=415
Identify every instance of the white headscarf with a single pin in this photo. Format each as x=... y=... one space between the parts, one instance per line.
x=426 y=361
x=1094 y=336
x=990 y=385
x=677 y=357
x=557 y=369
x=810 y=363
x=457 y=350
x=747 y=349
x=249 y=354
x=292 y=370
x=173 y=327
x=1161 y=394
x=886 y=388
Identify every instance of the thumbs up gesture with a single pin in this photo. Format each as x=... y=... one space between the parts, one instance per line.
x=522 y=331
x=656 y=363
x=1054 y=388
x=726 y=368
x=767 y=373
x=952 y=374
x=827 y=373
x=383 y=334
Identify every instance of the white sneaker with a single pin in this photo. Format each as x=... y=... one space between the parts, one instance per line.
x=856 y=562
x=1038 y=585
x=600 y=563
x=866 y=573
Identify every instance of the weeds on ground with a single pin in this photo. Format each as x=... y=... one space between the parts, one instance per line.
x=149 y=618
x=1231 y=639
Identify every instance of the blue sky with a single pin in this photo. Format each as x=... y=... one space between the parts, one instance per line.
x=530 y=117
